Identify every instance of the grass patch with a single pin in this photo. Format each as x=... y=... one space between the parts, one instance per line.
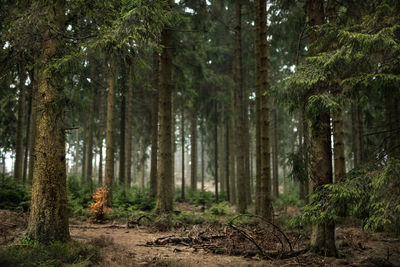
x=30 y=253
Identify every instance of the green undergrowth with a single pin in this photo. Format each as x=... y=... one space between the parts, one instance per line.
x=13 y=196
x=29 y=253
x=370 y=194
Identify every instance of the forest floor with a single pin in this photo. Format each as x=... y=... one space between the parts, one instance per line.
x=210 y=244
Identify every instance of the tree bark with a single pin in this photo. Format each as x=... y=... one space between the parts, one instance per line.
x=275 y=173
x=102 y=115
x=27 y=132
x=216 y=180
x=338 y=136
x=128 y=132
x=109 y=168
x=32 y=135
x=323 y=234
x=265 y=179
x=165 y=175
x=154 y=125
x=193 y=145
x=202 y=162
x=183 y=153
x=121 y=175
x=258 y=104
x=19 y=151
x=232 y=154
x=89 y=168
x=48 y=220
x=241 y=145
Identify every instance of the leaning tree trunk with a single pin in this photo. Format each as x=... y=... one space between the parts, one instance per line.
x=109 y=169
x=165 y=175
x=48 y=220
x=265 y=179
x=323 y=234
x=154 y=125
x=19 y=151
x=241 y=145
x=193 y=145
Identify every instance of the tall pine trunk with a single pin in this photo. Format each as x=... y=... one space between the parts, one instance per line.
x=275 y=174
x=154 y=125
x=48 y=219
x=183 y=154
x=32 y=134
x=19 y=151
x=241 y=145
x=121 y=174
x=258 y=105
x=193 y=152
x=109 y=168
x=265 y=178
x=89 y=168
x=165 y=187
x=232 y=147
x=323 y=234
x=27 y=132
x=128 y=131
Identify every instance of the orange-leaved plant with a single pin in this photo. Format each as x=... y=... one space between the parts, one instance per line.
x=98 y=207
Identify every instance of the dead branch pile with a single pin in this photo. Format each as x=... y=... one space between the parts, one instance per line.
x=263 y=239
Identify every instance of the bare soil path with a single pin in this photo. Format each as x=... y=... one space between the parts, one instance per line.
x=120 y=246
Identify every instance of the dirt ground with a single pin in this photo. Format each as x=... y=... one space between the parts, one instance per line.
x=122 y=246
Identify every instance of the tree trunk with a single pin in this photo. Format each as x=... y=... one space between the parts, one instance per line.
x=302 y=195
x=142 y=161
x=27 y=132
x=221 y=154
x=121 y=175
x=265 y=178
x=241 y=146
x=275 y=154
x=89 y=168
x=32 y=135
x=154 y=125
x=48 y=218
x=227 y=161
x=165 y=191
x=232 y=154
x=202 y=162
x=216 y=152
x=183 y=153
x=102 y=115
x=19 y=151
x=109 y=169
x=258 y=104
x=246 y=140
x=323 y=234
x=128 y=130
x=356 y=118
x=84 y=156
x=193 y=160
x=77 y=151
x=338 y=136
